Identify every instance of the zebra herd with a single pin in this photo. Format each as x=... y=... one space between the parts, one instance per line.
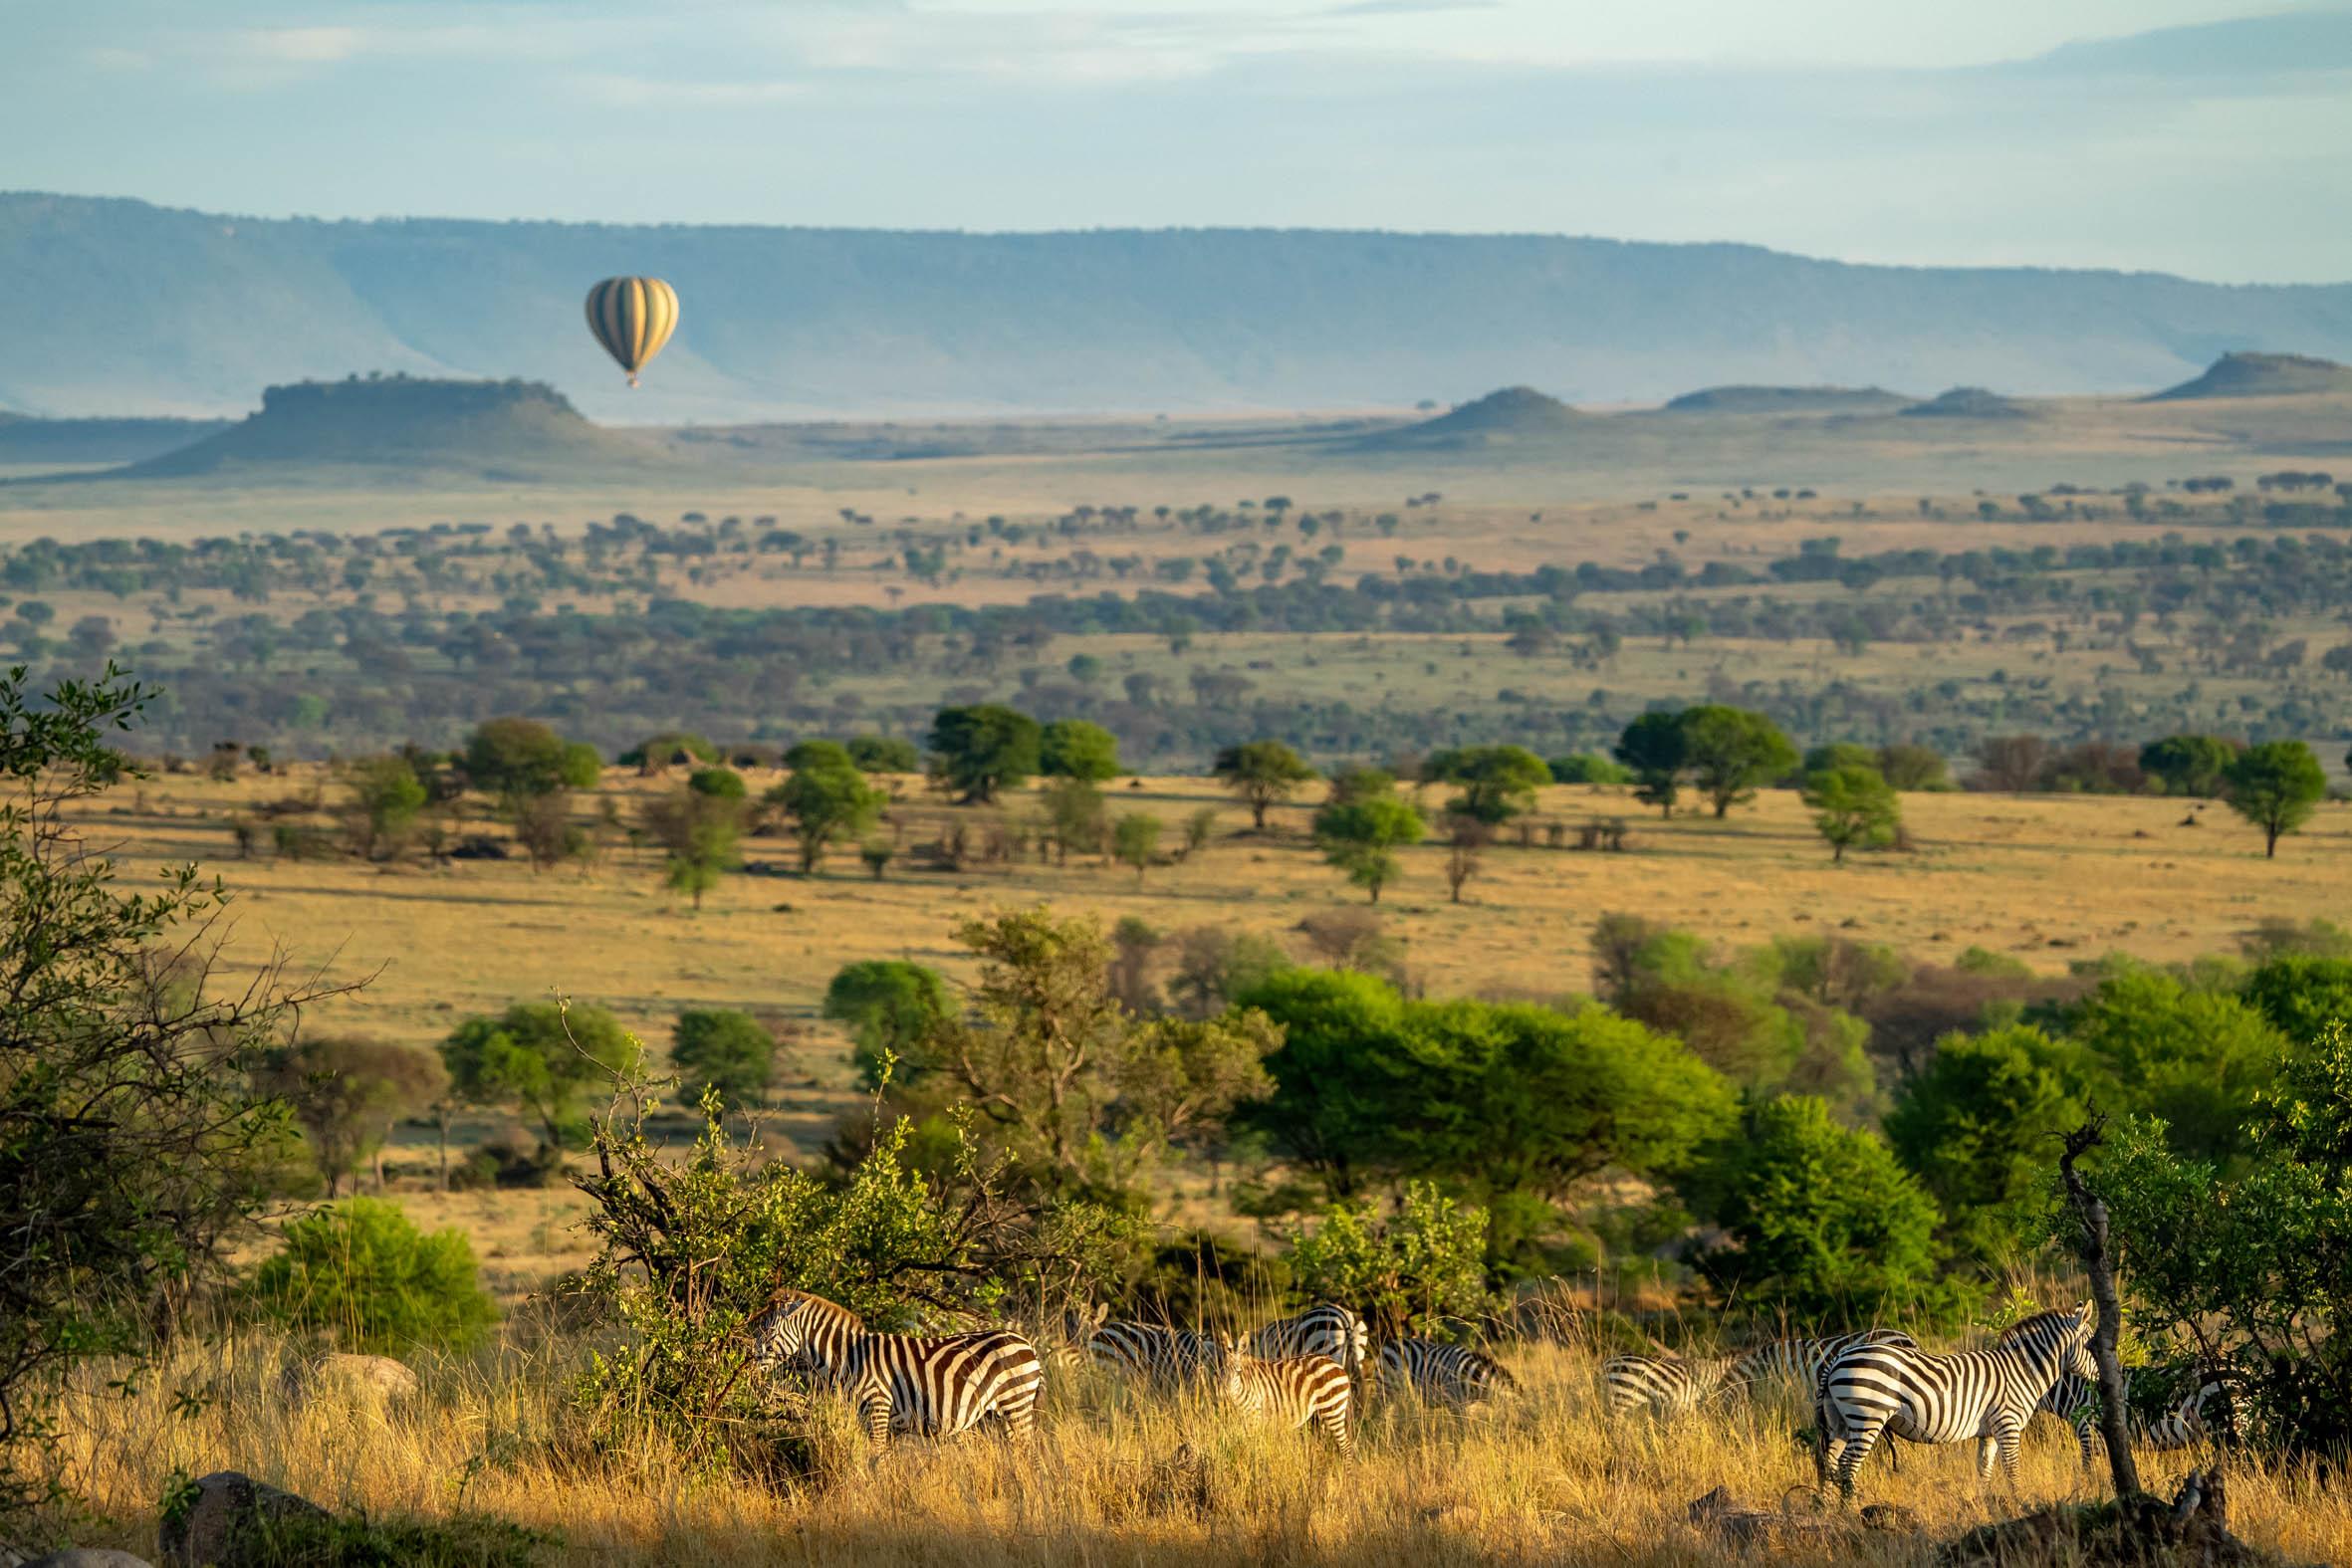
x=1303 y=1372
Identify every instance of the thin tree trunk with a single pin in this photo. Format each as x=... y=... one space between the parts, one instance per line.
x=2098 y=1261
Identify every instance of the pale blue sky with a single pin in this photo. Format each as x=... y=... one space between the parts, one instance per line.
x=2201 y=137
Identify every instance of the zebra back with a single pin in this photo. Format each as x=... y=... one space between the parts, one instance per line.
x=1436 y=1369
x=1296 y=1391
x=803 y=1330
x=1663 y=1385
x=1167 y=1358
x=2074 y=1399
x=944 y=1385
x=1326 y=1329
x=1798 y=1363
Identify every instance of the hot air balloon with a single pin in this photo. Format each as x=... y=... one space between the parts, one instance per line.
x=632 y=317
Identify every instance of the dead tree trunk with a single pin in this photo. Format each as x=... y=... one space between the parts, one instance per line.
x=2098 y=1261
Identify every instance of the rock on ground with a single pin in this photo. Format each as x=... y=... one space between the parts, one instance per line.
x=205 y=1526
x=375 y=1379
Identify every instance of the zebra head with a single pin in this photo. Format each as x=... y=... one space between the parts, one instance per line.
x=782 y=1336
x=1227 y=1354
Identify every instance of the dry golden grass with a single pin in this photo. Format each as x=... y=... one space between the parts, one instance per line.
x=1543 y=1480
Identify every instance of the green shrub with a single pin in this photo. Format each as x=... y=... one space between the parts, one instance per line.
x=1976 y=1128
x=362 y=1271
x=311 y=1540
x=1407 y=1271
x=1588 y=768
x=729 y=1052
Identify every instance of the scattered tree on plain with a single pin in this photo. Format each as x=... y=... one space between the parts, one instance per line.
x=1263 y=774
x=1853 y=809
x=2274 y=785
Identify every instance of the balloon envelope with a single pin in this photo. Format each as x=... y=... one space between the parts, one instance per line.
x=632 y=317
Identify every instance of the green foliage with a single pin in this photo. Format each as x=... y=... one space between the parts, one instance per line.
x=320 y=1540
x=362 y=1271
x=827 y=799
x=1913 y=768
x=982 y=750
x=888 y=1005
x=2194 y=1058
x=884 y=753
x=2276 y=786
x=2300 y=994
x=1079 y=817
x=1263 y=774
x=1731 y=752
x=1656 y=751
x=1411 y=1271
x=807 y=756
x=1076 y=749
x=348 y=1092
x=1822 y=1222
x=701 y=829
x=540 y=1057
x=717 y=1051
x=1588 y=768
x=1978 y=1129
x=2189 y=764
x=1135 y=840
x=717 y=784
x=1495 y=1100
x=659 y=751
x=1853 y=807
x=1497 y=782
x=1838 y=754
x=387 y=800
x=1359 y=837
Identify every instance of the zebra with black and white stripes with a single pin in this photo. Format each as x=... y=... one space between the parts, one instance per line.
x=2076 y=1400
x=1873 y=1388
x=1326 y=1329
x=1443 y=1373
x=1665 y=1386
x=928 y=1386
x=1296 y=1391
x=1168 y=1359
x=1797 y=1362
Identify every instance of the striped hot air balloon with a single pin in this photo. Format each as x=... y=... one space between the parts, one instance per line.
x=632 y=317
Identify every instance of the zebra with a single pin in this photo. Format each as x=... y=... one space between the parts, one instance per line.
x=1873 y=1388
x=1798 y=1363
x=937 y=1385
x=1452 y=1374
x=1327 y=1330
x=2076 y=1400
x=1169 y=1359
x=1298 y=1391
x=1664 y=1385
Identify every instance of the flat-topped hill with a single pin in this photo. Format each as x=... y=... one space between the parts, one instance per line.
x=1516 y=415
x=1788 y=400
x=1968 y=402
x=2262 y=376
x=496 y=429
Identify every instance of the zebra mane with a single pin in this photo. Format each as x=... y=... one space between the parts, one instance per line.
x=784 y=1296
x=2034 y=1325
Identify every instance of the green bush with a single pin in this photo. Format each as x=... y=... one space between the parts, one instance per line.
x=1976 y=1127
x=312 y=1540
x=1407 y=1271
x=362 y=1271
x=1588 y=768
x=2194 y=1058
x=540 y=1057
x=2301 y=995
x=715 y=1050
x=888 y=1005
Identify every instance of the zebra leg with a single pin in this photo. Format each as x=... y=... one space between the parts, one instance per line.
x=875 y=1412
x=1019 y=1412
x=1860 y=1439
x=1987 y=1449
x=2006 y=1430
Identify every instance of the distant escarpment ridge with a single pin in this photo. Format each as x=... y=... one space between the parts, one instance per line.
x=27 y=440
x=2262 y=376
x=149 y=310
x=1788 y=400
x=520 y=430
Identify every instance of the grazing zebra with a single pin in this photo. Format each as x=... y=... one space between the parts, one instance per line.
x=1798 y=1363
x=1169 y=1359
x=1298 y=1391
x=930 y=1386
x=1327 y=1330
x=1664 y=1385
x=2076 y=1400
x=1452 y=1374
x=1873 y=1388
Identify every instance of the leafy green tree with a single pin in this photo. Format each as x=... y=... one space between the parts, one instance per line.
x=878 y=753
x=1976 y=1127
x=348 y=1092
x=1853 y=807
x=512 y=759
x=1079 y=814
x=2302 y=995
x=362 y=1271
x=1656 y=751
x=1731 y=752
x=829 y=803
x=1838 y=754
x=1360 y=837
x=701 y=830
x=387 y=800
x=888 y=1005
x=1411 y=1271
x=2189 y=764
x=1497 y=782
x=540 y=1058
x=658 y=751
x=1821 y=1221
x=132 y=1145
x=717 y=784
x=2194 y=1058
x=2276 y=786
x=1913 y=768
x=985 y=750
x=1076 y=749
x=1135 y=840
x=810 y=756
x=1588 y=768
x=1263 y=774
x=720 y=1052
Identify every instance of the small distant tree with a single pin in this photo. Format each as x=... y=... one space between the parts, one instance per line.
x=1656 y=751
x=729 y=1052
x=540 y=1058
x=2010 y=764
x=877 y=853
x=2275 y=787
x=670 y=747
x=1730 y=752
x=544 y=827
x=1076 y=749
x=888 y=1004
x=985 y=750
x=878 y=753
x=509 y=759
x=1200 y=826
x=1913 y=768
x=1466 y=838
x=1360 y=837
x=1081 y=820
x=349 y=1093
x=2189 y=764
x=1853 y=807
x=1588 y=768
x=810 y=755
x=1136 y=841
x=701 y=830
x=387 y=800
x=1497 y=782
x=1263 y=774
x=830 y=801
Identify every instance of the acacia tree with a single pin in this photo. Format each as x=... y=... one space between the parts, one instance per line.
x=701 y=829
x=1263 y=774
x=1853 y=807
x=829 y=801
x=1497 y=782
x=980 y=750
x=543 y=1058
x=1656 y=751
x=2275 y=787
x=1076 y=748
x=1731 y=752
x=348 y=1092
x=1135 y=840
x=1360 y=837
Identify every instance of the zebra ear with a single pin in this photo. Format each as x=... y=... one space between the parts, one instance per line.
x=2088 y=1312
